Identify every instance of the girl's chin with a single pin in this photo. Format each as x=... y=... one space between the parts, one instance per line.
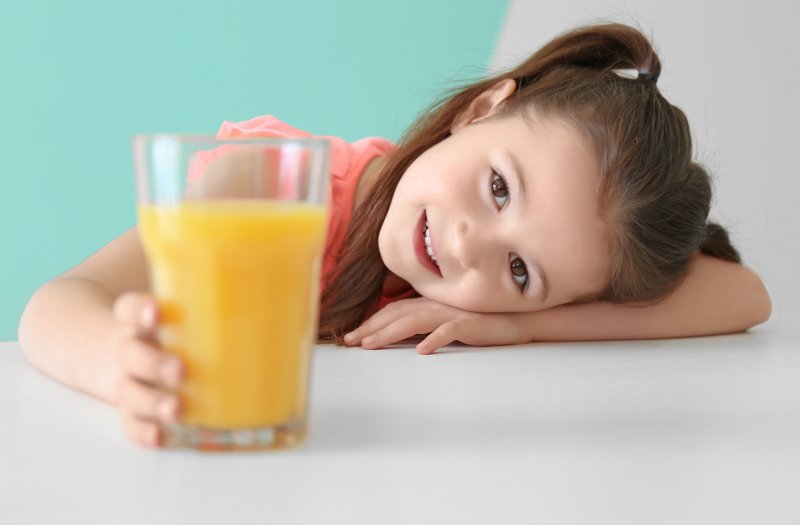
x=395 y=280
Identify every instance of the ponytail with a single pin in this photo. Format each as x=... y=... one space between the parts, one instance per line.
x=601 y=48
x=718 y=244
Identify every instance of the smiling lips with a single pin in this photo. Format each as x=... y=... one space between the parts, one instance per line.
x=423 y=248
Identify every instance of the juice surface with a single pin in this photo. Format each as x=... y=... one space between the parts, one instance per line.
x=238 y=284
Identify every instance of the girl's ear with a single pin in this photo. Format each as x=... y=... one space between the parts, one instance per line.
x=485 y=104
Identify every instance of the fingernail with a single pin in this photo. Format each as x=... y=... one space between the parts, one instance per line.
x=170 y=372
x=167 y=407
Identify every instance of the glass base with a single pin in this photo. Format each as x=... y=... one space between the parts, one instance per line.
x=278 y=437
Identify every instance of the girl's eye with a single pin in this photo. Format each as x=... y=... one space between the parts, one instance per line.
x=499 y=188
x=519 y=273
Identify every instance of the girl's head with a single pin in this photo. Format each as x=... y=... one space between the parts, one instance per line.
x=613 y=207
x=511 y=210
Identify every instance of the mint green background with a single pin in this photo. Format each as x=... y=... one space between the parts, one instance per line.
x=78 y=78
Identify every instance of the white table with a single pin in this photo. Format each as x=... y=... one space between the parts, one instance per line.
x=703 y=431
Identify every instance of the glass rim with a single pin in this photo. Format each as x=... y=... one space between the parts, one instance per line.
x=201 y=138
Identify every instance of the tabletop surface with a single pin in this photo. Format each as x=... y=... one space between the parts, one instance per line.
x=698 y=430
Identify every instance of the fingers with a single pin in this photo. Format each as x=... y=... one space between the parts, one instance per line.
x=138 y=310
x=147 y=372
x=142 y=407
x=407 y=326
x=148 y=402
x=387 y=315
x=378 y=320
x=145 y=362
x=443 y=323
x=442 y=336
x=474 y=329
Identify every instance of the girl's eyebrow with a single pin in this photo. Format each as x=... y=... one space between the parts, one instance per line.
x=520 y=177
x=515 y=167
x=545 y=291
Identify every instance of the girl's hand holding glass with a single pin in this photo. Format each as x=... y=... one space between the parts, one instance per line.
x=147 y=374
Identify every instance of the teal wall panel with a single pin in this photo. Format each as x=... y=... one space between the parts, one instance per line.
x=78 y=78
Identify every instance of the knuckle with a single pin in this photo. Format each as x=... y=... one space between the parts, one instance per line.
x=466 y=320
x=127 y=351
x=121 y=348
x=450 y=327
x=144 y=355
x=377 y=336
x=418 y=316
x=392 y=307
x=436 y=306
x=127 y=343
x=124 y=391
x=142 y=400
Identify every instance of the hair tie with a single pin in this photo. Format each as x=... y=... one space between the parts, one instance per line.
x=646 y=75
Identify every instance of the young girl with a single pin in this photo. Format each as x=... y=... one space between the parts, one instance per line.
x=556 y=201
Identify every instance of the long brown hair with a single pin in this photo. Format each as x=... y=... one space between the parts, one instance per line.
x=654 y=197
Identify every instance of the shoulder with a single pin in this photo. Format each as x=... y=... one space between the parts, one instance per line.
x=261 y=126
x=345 y=157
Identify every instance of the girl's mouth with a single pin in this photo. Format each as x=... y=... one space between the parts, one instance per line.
x=423 y=247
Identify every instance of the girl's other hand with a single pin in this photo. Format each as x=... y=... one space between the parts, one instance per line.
x=148 y=375
x=444 y=324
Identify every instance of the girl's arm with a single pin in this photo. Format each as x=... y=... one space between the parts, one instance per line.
x=68 y=328
x=87 y=328
x=717 y=297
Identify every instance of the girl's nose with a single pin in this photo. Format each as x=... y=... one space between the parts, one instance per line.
x=471 y=244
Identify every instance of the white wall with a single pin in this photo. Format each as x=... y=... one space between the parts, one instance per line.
x=734 y=70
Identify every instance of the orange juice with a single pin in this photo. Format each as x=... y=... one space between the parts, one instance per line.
x=238 y=283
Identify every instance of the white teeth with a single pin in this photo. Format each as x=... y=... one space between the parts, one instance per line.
x=428 y=244
x=430 y=254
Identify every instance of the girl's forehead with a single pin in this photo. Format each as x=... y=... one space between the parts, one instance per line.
x=543 y=141
x=530 y=130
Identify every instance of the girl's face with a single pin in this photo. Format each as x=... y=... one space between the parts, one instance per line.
x=512 y=212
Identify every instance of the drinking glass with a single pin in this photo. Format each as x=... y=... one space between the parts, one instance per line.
x=234 y=232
